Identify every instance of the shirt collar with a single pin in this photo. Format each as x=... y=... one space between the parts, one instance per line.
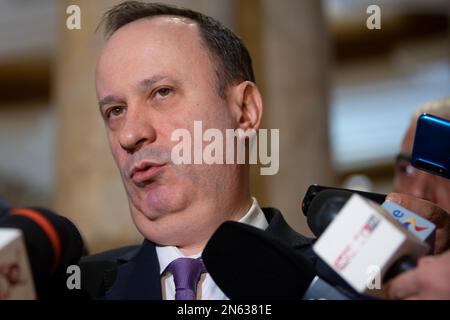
x=254 y=217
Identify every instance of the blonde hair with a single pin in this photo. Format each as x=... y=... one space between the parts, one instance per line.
x=439 y=108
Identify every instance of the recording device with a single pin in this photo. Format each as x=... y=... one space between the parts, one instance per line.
x=249 y=263
x=431 y=149
x=327 y=204
x=315 y=189
x=366 y=245
x=16 y=280
x=52 y=243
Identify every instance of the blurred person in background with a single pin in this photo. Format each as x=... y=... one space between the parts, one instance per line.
x=415 y=182
x=423 y=185
x=431 y=279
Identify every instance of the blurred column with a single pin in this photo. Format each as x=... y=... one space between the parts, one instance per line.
x=88 y=186
x=295 y=56
x=249 y=25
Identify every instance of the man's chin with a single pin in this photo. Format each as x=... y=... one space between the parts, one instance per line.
x=176 y=229
x=160 y=201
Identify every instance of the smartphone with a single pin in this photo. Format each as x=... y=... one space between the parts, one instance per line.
x=431 y=149
x=314 y=189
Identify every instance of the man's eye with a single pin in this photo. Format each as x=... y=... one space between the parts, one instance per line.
x=163 y=92
x=114 y=112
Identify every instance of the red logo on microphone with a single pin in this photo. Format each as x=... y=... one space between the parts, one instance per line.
x=10 y=277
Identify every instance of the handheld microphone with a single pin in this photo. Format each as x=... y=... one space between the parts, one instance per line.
x=327 y=204
x=324 y=208
x=52 y=243
x=16 y=280
x=248 y=263
x=364 y=243
x=315 y=189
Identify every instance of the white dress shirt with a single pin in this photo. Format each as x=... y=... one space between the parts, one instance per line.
x=206 y=289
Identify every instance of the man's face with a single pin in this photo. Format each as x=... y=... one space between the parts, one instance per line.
x=418 y=183
x=154 y=76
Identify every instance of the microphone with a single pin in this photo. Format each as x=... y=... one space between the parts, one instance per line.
x=248 y=263
x=327 y=204
x=315 y=189
x=52 y=243
x=324 y=208
x=417 y=225
x=364 y=244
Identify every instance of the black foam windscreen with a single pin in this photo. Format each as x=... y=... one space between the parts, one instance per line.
x=249 y=263
x=324 y=208
x=45 y=261
x=315 y=189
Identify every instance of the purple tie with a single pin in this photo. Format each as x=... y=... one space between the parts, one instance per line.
x=186 y=274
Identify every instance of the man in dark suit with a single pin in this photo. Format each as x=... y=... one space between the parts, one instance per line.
x=161 y=69
x=134 y=272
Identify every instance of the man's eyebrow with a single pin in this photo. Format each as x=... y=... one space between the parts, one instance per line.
x=108 y=99
x=149 y=82
x=142 y=85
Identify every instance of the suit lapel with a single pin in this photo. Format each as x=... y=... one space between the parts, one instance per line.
x=138 y=277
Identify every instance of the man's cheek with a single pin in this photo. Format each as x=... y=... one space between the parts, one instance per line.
x=120 y=161
x=116 y=152
x=113 y=146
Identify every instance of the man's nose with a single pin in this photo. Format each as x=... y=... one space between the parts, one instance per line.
x=137 y=131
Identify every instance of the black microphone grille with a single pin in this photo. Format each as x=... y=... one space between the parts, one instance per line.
x=56 y=232
x=248 y=263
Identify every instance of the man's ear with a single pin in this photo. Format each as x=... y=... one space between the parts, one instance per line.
x=247 y=106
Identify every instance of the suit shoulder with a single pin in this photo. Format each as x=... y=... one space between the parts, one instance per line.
x=114 y=255
x=98 y=271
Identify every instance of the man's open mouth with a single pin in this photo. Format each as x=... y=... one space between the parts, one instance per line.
x=145 y=172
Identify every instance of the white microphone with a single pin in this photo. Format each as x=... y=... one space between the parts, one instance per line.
x=364 y=243
x=16 y=279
